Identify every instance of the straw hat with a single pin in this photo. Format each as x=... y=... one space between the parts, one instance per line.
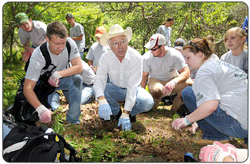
x=115 y=30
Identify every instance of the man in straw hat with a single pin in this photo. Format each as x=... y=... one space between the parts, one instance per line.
x=123 y=65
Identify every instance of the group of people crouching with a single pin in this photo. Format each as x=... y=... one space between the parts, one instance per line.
x=216 y=98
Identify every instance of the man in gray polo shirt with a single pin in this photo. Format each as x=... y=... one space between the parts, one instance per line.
x=76 y=33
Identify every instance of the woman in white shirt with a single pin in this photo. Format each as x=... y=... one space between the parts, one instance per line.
x=218 y=97
x=234 y=40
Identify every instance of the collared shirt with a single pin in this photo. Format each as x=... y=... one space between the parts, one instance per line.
x=126 y=74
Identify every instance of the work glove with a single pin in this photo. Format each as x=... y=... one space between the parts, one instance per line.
x=44 y=114
x=194 y=128
x=180 y=123
x=54 y=79
x=168 y=88
x=104 y=110
x=125 y=122
x=217 y=152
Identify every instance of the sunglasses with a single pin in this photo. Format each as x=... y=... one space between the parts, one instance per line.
x=156 y=48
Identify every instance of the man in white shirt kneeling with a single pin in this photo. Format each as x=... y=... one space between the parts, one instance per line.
x=123 y=65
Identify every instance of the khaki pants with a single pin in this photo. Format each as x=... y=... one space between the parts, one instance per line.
x=155 y=89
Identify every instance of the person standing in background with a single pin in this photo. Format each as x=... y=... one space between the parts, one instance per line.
x=76 y=33
x=166 y=30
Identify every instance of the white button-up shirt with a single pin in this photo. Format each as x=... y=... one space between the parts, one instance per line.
x=126 y=74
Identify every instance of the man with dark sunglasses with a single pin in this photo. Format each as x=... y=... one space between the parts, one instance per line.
x=165 y=70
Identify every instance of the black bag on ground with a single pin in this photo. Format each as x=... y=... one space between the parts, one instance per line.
x=28 y=143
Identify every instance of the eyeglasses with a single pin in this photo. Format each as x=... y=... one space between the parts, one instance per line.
x=156 y=48
x=115 y=44
x=193 y=44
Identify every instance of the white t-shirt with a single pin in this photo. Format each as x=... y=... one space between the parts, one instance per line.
x=163 y=68
x=36 y=36
x=218 y=80
x=240 y=61
x=166 y=32
x=37 y=61
x=76 y=31
x=95 y=53
x=88 y=75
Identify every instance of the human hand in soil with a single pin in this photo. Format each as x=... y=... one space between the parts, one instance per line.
x=180 y=123
x=125 y=122
x=44 y=114
x=104 y=110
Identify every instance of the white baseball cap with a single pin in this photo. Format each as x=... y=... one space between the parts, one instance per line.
x=155 y=40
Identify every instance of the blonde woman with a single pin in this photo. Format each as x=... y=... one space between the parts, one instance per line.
x=234 y=40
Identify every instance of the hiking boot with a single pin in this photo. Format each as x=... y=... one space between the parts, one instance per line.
x=168 y=100
x=183 y=110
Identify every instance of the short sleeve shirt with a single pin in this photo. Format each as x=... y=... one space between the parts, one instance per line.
x=240 y=61
x=37 y=61
x=87 y=74
x=218 y=80
x=36 y=36
x=166 y=32
x=76 y=31
x=163 y=68
x=95 y=53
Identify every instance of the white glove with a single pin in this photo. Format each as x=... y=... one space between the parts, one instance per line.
x=44 y=114
x=167 y=89
x=55 y=79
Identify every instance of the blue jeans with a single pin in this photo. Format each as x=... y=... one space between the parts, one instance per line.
x=113 y=94
x=73 y=84
x=81 y=54
x=6 y=130
x=219 y=125
x=87 y=94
